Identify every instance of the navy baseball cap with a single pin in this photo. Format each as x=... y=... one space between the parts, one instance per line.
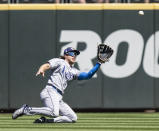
x=70 y=49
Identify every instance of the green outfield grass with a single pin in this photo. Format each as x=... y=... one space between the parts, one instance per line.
x=87 y=121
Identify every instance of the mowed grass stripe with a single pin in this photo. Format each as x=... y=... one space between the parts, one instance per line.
x=81 y=122
x=119 y=115
x=119 y=118
x=109 y=115
x=97 y=118
x=89 y=127
x=104 y=115
x=118 y=122
x=90 y=121
x=85 y=124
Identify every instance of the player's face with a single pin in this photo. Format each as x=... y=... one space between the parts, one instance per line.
x=71 y=57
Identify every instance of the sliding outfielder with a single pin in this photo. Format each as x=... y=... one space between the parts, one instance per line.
x=62 y=72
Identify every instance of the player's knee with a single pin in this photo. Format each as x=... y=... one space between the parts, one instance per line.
x=54 y=113
x=74 y=118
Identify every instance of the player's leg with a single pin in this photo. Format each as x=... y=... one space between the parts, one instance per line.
x=66 y=114
x=26 y=110
x=49 y=110
x=51 y=100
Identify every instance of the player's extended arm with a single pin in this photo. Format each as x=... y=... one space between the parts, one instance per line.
x=85 y=76
x=42 y=69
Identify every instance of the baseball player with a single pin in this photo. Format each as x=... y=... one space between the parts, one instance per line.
x=62 y=71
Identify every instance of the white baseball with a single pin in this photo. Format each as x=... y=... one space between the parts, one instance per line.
x=141 y=12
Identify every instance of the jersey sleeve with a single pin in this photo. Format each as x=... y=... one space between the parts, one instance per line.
x=88 y=75
x=54 y=63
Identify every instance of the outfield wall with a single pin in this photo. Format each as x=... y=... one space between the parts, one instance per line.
x=31 y=34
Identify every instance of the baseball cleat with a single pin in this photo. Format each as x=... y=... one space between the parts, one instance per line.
x=19 y=112
x=40 y=120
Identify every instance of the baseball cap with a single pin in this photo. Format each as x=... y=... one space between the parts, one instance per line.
x=70 y=49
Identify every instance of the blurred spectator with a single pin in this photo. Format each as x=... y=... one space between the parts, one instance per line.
x=77 y=1
x=135 y=1
x=3 y=1
x=147 y=1
x=97 y=1
x=35 y=1
x=89 y=1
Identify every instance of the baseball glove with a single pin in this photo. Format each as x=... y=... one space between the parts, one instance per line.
x=104 y=53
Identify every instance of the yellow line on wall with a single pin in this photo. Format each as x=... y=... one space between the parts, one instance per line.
x=80 y=6
x=3 y=6
x=32 y=7
x=156 y=6
x=113 y=6
x=129 y=6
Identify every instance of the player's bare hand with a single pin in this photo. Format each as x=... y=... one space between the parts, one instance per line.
x=40 y=73
x=42 y=69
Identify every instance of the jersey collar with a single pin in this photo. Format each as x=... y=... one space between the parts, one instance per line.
x=68 y=64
